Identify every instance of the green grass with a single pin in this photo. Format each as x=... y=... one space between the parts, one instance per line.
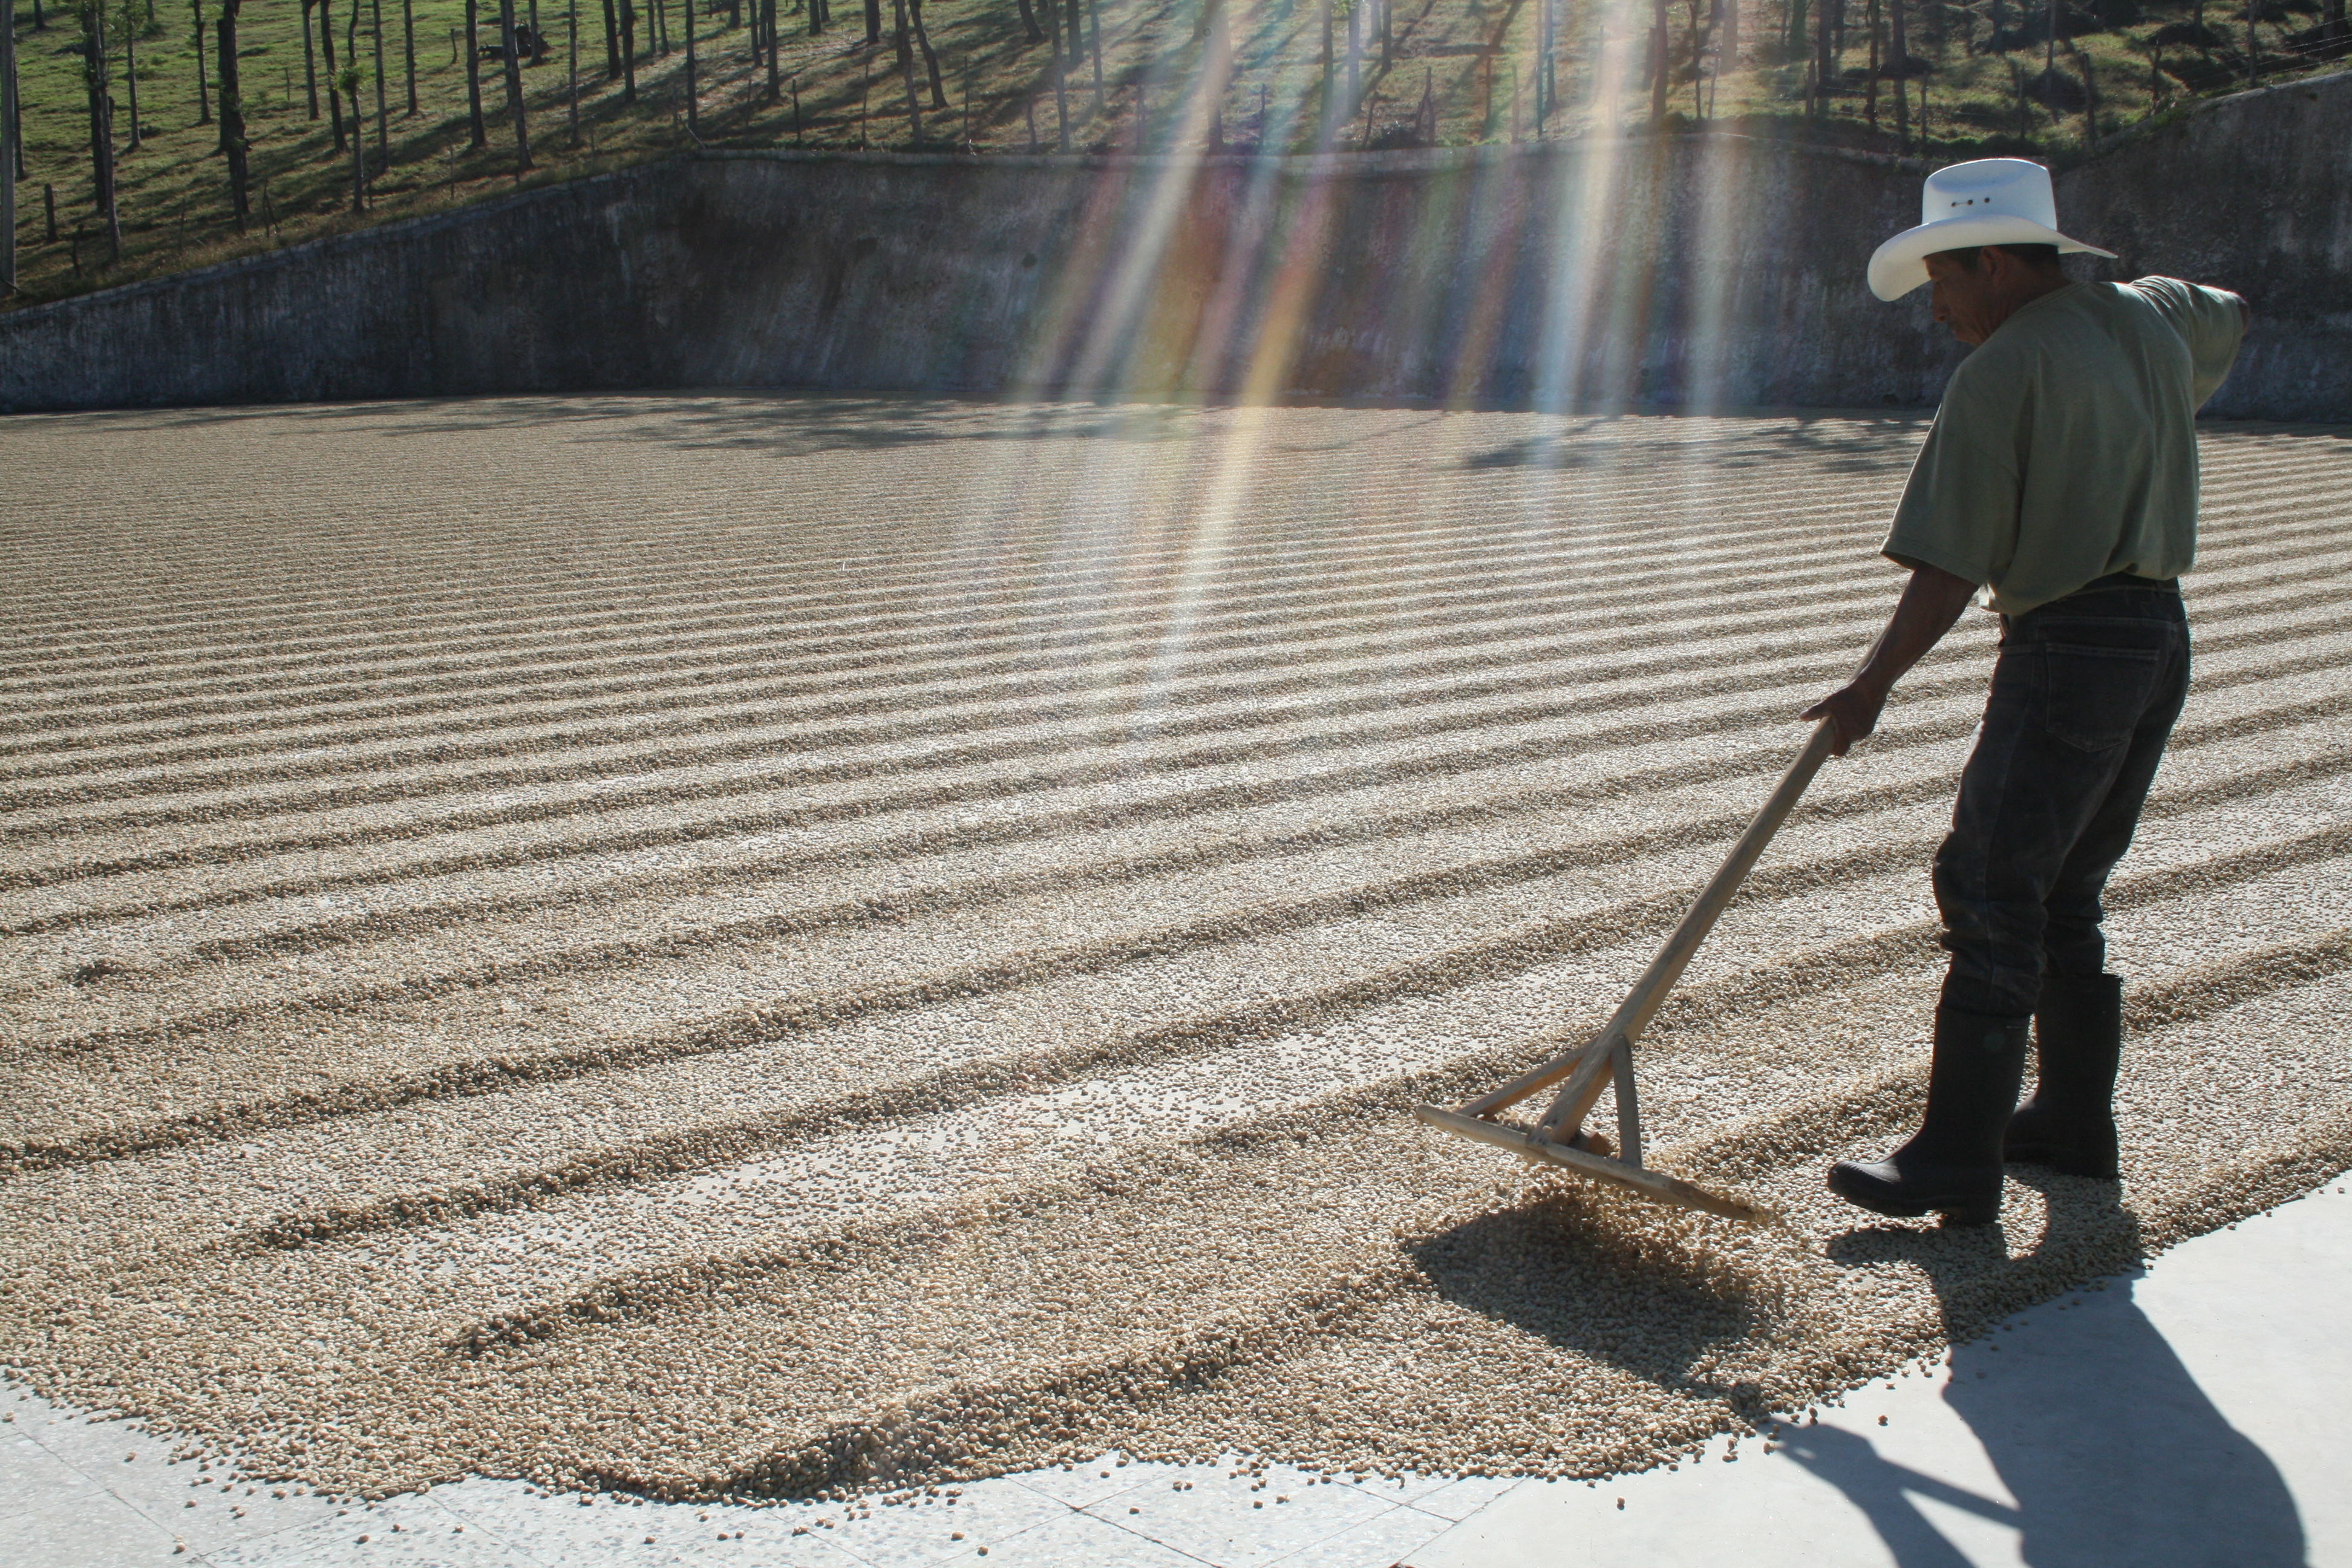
x=1473 y=62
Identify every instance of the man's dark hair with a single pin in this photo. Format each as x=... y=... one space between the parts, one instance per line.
x=1969 y=259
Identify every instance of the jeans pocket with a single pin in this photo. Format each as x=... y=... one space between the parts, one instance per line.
x=2095 y=697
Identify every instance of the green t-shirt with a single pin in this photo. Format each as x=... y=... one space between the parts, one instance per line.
x=2066 y=447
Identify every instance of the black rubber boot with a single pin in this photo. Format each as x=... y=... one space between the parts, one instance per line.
x=2070 y=1122
x=1952 y=1166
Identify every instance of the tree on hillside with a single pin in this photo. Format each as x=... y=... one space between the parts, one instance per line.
x=922 y=42
x=514 y=85
x=8 y=153
x=129 y=64
x=905 y=50
x=309 y=60
x=347 y=85
x=203 y=93
x=102 y=123
x=572 y=66
x=408 y=42
x=327 y=49
x=232 y=113
x=1902 y=74
x=383 y=120
x=628 y=51
x=474 y=74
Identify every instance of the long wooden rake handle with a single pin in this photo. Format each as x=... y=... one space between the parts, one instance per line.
x=1649 y=993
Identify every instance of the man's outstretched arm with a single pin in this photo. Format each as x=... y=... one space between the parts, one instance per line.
x=1931 y=602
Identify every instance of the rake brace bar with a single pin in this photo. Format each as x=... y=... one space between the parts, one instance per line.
x=1611 y=1052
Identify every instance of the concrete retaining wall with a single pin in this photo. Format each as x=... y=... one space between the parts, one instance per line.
x=1694 y=271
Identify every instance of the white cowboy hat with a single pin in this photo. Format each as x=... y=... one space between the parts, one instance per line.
x=1993 y=201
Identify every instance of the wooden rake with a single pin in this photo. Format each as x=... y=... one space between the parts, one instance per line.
x=1558 y=1138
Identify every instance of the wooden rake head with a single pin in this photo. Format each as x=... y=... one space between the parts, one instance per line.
x=1557 y=1139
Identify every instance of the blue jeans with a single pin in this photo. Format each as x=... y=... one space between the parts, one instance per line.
x=2084 y=697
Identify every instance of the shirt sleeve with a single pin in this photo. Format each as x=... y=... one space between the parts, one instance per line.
x=1960 y=509
x=2208 y=321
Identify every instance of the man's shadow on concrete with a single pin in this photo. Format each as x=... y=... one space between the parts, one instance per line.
x=2113 y=1454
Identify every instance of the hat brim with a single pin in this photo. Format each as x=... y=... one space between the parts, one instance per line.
x=1900 y=265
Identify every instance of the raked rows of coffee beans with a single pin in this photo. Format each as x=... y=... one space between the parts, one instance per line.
x=737 y=947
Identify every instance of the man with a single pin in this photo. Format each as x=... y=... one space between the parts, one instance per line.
x=2059 y=483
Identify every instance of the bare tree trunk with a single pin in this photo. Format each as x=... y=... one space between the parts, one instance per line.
x=102 y=126
x=203 y=90
x=408 y=47
x=326 y=62
x=628 y=50
x=1663 y=61
x=474 y=75
x=309 y=60
x=8 y=149
x=1699 y=41
x=612 y=44
x=1355 y=56
x=874 y=23
x=693 y=77
x=1028 y=21
x=2090 y=95
x=904 y=48
x=16 y=124
x=1061 y=82
x=1094 y=35
x=1870 y=90
x=1824 y=67
x=359 y=142
x=383 y=120
x=1901 y=75
x=571 y=65
x=514 y=85
x=130 y=65
x=1330 y=84
x=922 y=42
x=775 y=67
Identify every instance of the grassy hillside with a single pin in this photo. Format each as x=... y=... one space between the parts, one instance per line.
x=1150 y=73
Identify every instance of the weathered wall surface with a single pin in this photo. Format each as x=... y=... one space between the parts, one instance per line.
x=1699 y=270
x=2253 y=194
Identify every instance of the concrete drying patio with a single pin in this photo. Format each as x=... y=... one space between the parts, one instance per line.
x=2195 y=1412
x=684 y=949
